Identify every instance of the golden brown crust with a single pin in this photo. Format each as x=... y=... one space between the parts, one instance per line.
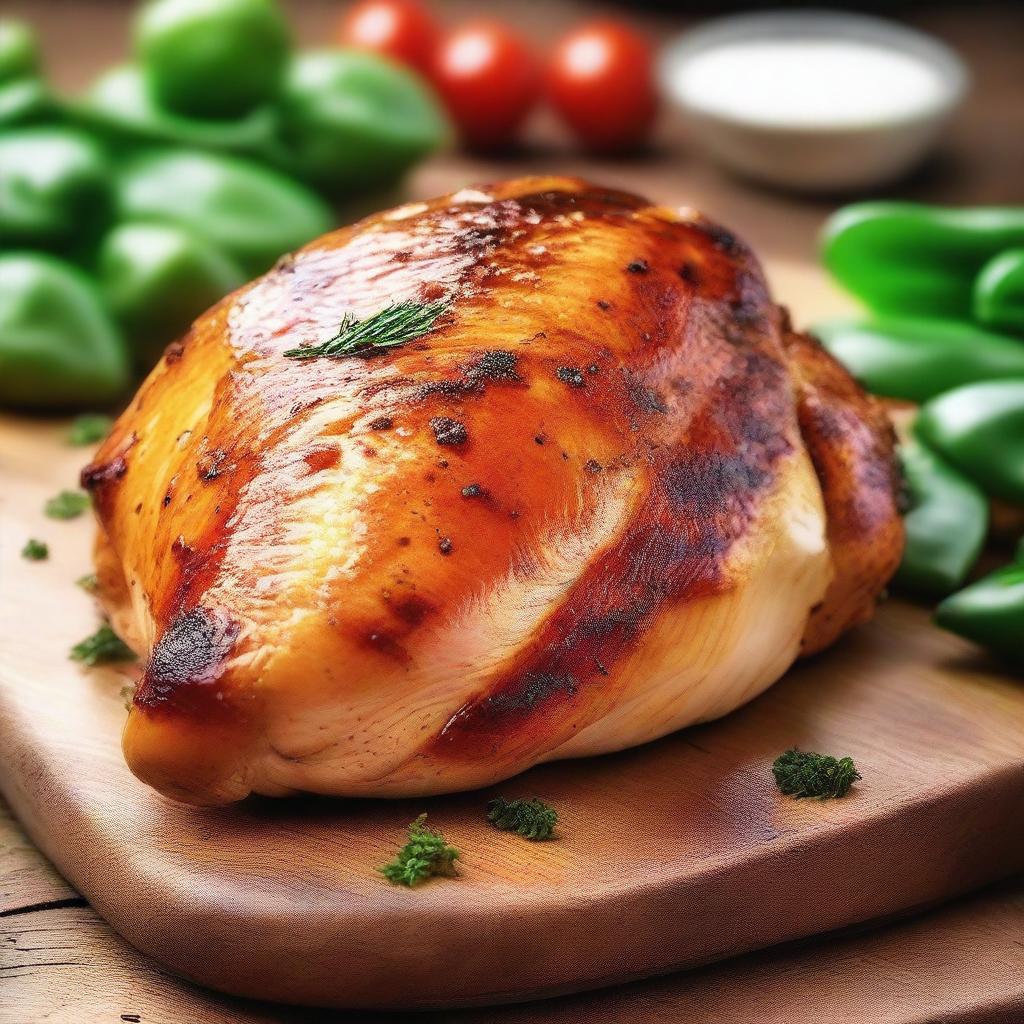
x=853 y=447
x=304 y=537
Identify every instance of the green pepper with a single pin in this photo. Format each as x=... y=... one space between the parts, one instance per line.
x=350 y=120
x=120 y=104
x=212 y=58
x=916 y=359
x=19 y=51
x=990 y=612
x=54 y=187
x=999 y=292
x=157 y=278
x=911 y=258
x=979 y=428
x=23 y=101
x=249 y=212
x=58 y=345
x=945 y=525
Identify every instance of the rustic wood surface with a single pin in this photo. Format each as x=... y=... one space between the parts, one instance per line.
x=958 y=962
x=964 y=962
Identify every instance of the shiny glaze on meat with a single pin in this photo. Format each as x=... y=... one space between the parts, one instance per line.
x=576 y=515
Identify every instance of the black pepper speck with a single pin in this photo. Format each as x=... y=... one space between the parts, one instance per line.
x=448 y=431
x=570 y=375
x=637 y=267
x=444 y=545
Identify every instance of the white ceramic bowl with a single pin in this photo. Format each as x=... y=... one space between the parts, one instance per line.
x=815 y=154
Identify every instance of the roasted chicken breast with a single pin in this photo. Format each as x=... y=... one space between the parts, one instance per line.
x=608 y=494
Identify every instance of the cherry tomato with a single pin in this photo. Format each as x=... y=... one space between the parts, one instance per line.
x=400 y=29
x=488 y=77
x=601 y=81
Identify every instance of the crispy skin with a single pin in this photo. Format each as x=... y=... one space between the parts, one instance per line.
x=575 y=516
x=852 y=443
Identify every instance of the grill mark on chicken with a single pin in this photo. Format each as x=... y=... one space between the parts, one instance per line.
x=704 y=497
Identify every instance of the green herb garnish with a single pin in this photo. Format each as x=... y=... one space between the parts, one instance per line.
x=800 y=773
x=67 y=505
x=395 y=325
x=89 y=428
x=89 y=583
x=103 y=646
x=531 y=819
x=35 y=550
x=425 y=854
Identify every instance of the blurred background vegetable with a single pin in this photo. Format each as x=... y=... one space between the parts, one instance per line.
x=403 y=30
x=351 y=121
x=58 y=343
x=489 y=79
x=946 y=524
x=253 y=213
x=601 y=82
x=912 y=258
x=173 y=180
x=212 y=59
x=999 y=292
x=940 y=283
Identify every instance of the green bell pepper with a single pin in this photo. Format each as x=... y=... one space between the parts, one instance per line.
x=350 y=120
x=157 y=278
x=212 y=58
x=251 y=213
x=58 y=345
x=23 y=101
x=999 y=292
x=24 y=96
x=120 y=104
x=916 y=259
x=945 y=525
x=54 y=187
x=916 y=359
x=990 y=612
x=19 y=51
x=979 y=428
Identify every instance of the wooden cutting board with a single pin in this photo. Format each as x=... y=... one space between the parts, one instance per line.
x=677 y=853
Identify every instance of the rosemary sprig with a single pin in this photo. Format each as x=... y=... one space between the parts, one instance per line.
x=392 y=326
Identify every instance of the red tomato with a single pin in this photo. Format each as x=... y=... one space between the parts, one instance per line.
x=400 y=29
x=601 y=81
x=489 y=80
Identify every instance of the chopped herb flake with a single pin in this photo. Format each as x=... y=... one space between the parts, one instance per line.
x=67 y=505
x=531 y=819
x=800 y=773
x=89 y=428
x=425 y=854
x=394 y=325
x=103 y=646
x=89 y=583
x=35 y=550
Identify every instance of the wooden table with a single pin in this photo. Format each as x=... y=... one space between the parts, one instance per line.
x=60 y=962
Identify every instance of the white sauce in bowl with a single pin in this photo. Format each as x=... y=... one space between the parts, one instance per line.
x=808 y=83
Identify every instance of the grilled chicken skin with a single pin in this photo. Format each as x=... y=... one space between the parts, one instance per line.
x=610 y=493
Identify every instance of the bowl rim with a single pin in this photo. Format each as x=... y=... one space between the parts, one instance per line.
x=816 y=23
